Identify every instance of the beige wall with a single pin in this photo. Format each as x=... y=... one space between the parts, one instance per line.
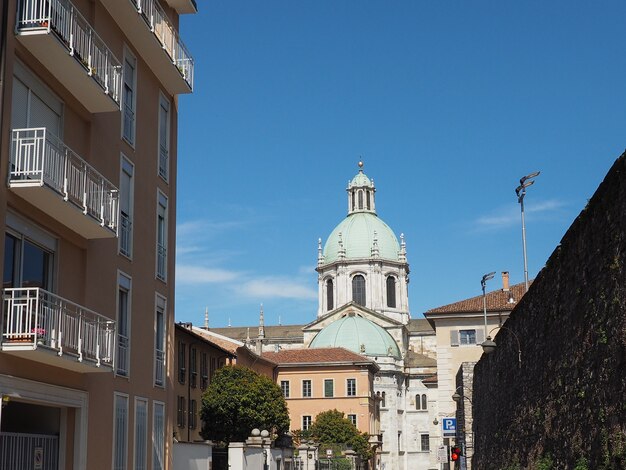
x=361 y=405
x=86 y=270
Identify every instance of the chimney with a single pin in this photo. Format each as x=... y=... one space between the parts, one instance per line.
x=505 y=281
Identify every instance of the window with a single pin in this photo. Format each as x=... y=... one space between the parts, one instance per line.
x=181 y=361
x=391 y=291
x=306 y=389
x=367 y=200
x=352 y=419
x=193 y=414
x=284 y=386
x=128 y=98
x=329 y=388
x=120 y=432
x=358 y=289
x=123 y=324
x=213 y=367
x=383 y=402
x=351 y=387
x=467 y=336
x=306 y=422
x=329 y=295
x=425 y=441
x=141 y=434
x=126 y=207
x=159 y=342
x=26 y=262
x=161 y=264
x=204 y=372
x=164 y=137
x=421 y=402
x=193 y=367
x=180 y=416
x=360 y=196
x=158 y=436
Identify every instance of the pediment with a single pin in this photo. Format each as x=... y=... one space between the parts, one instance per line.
x=351 y=308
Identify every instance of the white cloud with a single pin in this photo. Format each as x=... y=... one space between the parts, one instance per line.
x=186 y=274
x=510 y=215
x=277 y=287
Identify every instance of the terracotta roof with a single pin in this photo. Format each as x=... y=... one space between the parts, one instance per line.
x=224 y=343
x=430 y=380
x=315 y=355
x=240 y=333
x=420 y=325
x=415 y=359
x=497 y=301
x=209 y=340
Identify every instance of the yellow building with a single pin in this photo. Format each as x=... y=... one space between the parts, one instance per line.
x=88 y=92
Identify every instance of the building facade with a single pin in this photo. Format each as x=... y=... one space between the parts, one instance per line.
x=88 y=153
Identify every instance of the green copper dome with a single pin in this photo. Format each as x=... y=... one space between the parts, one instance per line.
x=360 y=179
x=357 y=236
x=359 y=335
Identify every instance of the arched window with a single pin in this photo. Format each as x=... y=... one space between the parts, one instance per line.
x=367 y=200
x=358 y=289
x=421 y=402
x=383 y=403
x=424 y=402
x=329 y=295
x=391 y=291
x=360 y=199
x=353 y=201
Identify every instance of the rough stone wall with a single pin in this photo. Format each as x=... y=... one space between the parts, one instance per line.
x=464 y=417
x=566 y=404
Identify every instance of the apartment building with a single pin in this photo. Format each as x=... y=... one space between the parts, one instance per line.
x=88 y=101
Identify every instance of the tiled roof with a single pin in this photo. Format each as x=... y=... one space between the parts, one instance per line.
x=240 y=333
x=213 y=341
x=420 y=325
x=415 y=359
x=224 y=343
x=430 y=380
x=497 y=301
x=315 y=355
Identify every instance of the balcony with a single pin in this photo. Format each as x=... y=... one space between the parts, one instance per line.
x=44 y=327
x=57 y=34
x=147 y=27
x=183 y=6
x=52 y=177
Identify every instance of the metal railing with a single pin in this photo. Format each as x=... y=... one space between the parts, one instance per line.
x=39 y=157
x=159 y=372
x=167 y=35
x=163 y=162
x=126 y=230
x=161 y=261
x=38 y=317
x=63 y=19
x=19 y=451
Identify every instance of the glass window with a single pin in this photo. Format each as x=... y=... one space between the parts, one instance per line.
x=421 y=402
x=306 y=422
x=352 y=419
x=391 y=292
x=158 y=436
x=141 y=434
x=126 y=207
x=284 y=386
x=161 y=270
x=329 y=388
x=123 y=325
x=164 y=137
x=467 y=336
x=159 y=343
x=128 y=99
x=360 y=199
x=193 y=367
x=120 y=433
x=329 y=295
x=181 y=361
x=193 y=414
x=204 y=371
x=425 y=441
x=424 y=402
x=306 y=389
x=26 y=264
x=351 y=387
x=180 y=415
x=358 y=289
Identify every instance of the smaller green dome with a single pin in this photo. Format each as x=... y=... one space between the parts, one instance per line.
x=359 y=335
x=360 y=179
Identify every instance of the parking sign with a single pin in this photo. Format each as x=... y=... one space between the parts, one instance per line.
x=448 y=427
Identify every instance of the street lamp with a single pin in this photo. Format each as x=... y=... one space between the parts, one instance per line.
x=457 y=397
x=524 y=183
x=483 y=283
x=489 y=345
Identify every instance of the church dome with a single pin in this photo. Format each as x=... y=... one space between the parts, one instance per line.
x=356 y=233
x=359 y=335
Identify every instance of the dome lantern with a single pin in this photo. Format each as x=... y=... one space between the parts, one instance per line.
x=361 y=193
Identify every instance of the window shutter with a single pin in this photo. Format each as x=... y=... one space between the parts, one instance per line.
x=454 y=338
x=480 y=337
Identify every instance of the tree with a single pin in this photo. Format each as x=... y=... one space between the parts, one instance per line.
x=333 y=430
x=239 y=400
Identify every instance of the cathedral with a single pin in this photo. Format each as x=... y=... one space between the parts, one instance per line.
x=363 y=276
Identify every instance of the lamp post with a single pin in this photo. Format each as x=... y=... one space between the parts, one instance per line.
x=483 y=283
x=524 y=183
x=489 y=345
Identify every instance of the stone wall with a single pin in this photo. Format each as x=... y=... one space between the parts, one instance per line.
x=565 y=406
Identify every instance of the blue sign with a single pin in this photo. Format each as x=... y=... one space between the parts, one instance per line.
x=448 y=427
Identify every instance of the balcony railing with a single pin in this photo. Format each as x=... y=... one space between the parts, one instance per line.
x=40 y=158
x=167 y=35
x=159 y=365
x=63 y=19
x=126 y=231
x=161 y=261
x=34 y=318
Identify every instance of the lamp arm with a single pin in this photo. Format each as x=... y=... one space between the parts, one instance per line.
x=519 y=345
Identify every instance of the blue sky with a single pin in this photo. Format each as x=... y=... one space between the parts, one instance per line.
x=448 y=103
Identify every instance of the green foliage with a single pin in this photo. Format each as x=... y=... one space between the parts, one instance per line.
x=582 y=464
x=239 y=400
x=545 y=463
x=333 y=430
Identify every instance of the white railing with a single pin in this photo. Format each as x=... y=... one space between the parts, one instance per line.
x=39 y=157
x=123 y=343
x=126 y=230
x=163 y=162
x=35 y=316
x=63 y=19
x=167 y=35
x=161 y=261
x=159 y=372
